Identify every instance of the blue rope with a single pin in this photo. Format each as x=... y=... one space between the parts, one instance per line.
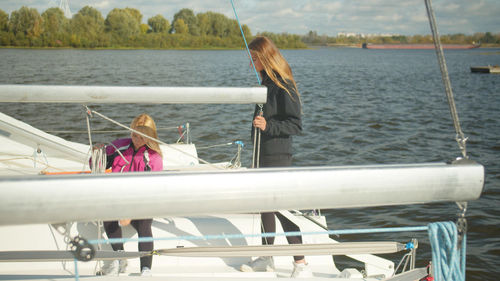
x=77 y=275
x=239 y=236
x=448 y=259
x=245 y=40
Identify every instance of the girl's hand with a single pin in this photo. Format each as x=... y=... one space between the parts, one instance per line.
x=260 y=122
x=124 y=222
x=98 y=146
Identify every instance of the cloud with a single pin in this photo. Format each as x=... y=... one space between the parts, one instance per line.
x=102 y=5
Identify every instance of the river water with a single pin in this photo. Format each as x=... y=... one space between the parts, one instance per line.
x=360 y=107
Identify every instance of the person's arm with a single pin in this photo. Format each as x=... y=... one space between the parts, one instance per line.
x=113 y=148
x=156 y=162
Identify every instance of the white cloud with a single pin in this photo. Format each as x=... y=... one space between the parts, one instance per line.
x=102 y=5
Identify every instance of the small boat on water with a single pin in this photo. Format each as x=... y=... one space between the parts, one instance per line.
x=486 y=69
x=419 y=46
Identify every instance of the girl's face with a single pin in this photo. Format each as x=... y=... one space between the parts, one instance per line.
x=256 y=62
x=137 y=140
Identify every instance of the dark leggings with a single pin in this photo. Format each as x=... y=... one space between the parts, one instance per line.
x=268 y=219
x=143 y=228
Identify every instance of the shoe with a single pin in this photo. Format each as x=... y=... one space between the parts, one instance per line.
x=146 y=272
x=260 y=264
x=109 y=268
x=301 y=270
x=122 y=266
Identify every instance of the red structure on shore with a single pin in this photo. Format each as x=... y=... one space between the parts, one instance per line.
x=419 y=46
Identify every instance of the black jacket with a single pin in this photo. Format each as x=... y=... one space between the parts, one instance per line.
x=283 y=117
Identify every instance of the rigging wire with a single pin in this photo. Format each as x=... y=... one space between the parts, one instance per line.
x=246 y=45
x=460 y=137
x=257 y=132
x=448 y=243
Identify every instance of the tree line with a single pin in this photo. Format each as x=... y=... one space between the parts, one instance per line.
x=485 y=39
x=123 y=28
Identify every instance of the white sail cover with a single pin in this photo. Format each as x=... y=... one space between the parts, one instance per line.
x=20 y=132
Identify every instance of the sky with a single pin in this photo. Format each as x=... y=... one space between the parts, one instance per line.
x=326 y=17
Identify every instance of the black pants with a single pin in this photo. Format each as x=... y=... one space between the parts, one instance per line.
x=268 y=219
x=143 y=228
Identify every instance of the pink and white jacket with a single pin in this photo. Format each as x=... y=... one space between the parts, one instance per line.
x=144 y=159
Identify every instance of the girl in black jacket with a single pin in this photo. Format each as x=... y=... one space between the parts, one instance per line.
x=279 y=120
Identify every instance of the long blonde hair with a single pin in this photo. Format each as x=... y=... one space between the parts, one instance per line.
x=146 y=125
x=273 y=63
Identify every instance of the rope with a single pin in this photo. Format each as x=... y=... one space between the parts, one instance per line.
x=245 y=40
x=99 y=160
x=460 y=138
x=77 y=274
x=104 y=131
x=269 y=234
x=87 y=110
x=256 y=141
x=448 y=257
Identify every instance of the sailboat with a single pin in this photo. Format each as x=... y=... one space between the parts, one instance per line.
x=206 y=216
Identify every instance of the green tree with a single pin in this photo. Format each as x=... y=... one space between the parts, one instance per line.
x=204 y=23
x=180 y=27
x=54 y=27
x=246 y=31
x=26 y=23
x=220 y=25
x=122 y=25
x=135 y=13
x=144 y=28
x=488 y=38
x=189 y=19
x=159 y=24
x=5 y=35
x=4 y=21
x=87 y=28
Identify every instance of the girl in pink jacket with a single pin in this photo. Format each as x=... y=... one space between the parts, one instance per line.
x=138 y=154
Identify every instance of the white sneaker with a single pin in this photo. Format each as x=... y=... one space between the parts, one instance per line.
x=122 y=266
x=260 y=264
x=301 y=270
x=109 y=268
x=146 y=272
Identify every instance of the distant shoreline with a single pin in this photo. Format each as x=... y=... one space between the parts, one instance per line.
x=309 y=46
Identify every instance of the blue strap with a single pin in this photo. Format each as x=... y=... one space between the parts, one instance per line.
x=245 y=40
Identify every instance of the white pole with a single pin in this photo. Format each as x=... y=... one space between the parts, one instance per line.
x=53 y=199
x=127 y=94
